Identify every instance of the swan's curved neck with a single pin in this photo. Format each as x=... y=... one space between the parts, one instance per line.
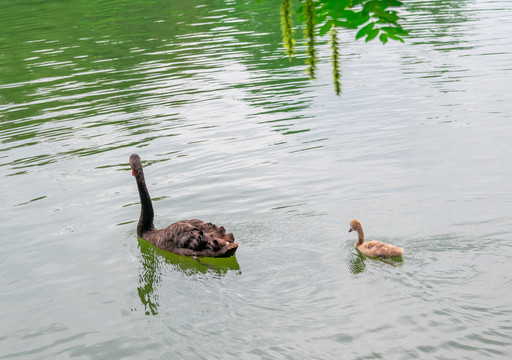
x=146 y=207
x=360 y=237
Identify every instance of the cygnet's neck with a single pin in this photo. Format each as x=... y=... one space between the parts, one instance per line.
x=360 y=235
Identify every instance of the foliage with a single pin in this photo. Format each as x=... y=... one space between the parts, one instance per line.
x=335 y=60
x=286 y=27
x=309 y=34
x=371 y=18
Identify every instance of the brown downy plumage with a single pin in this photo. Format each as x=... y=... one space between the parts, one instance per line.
x=373 y=248
x=187 y=237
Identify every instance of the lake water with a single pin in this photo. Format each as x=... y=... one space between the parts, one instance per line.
x=418 y=147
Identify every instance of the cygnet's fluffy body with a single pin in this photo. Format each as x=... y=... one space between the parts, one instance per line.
x=373 y=248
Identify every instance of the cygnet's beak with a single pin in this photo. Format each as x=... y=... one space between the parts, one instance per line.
x=350 y=230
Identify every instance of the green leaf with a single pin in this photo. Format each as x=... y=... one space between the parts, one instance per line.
x=320 y=17
x=334 y=6
x=325 y=27
x=401 y=31
x=395 y=37
x=371 y=6
x=389 y=30
x=345 y=24
x=365 y=30
x=359 y=18
x=392 y=3
x=384 y=38
x=372 y=34
x=386 y=16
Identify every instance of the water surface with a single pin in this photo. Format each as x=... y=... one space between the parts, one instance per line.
x=230 y=131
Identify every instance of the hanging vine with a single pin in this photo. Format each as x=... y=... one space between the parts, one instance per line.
x=287 y=27
x=309 y=34
x=335 y=57
x=371 y=18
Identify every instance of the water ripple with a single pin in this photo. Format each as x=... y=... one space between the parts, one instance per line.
x=231 y=131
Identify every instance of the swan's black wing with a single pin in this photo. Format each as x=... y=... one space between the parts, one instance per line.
x=194 y=238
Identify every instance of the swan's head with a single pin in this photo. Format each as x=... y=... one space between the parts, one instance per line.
x=135 y=163
x=355 y=225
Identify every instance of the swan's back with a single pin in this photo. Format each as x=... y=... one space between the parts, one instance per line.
x=380 y=249
x=194 y=238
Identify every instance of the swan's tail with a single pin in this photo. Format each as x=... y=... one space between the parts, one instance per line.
x=230 y=250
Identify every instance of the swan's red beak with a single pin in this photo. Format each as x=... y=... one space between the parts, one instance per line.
x=133 y=173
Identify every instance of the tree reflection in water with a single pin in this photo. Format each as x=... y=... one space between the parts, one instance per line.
x=153 y=260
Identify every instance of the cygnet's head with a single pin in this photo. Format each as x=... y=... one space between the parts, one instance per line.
x=355 y=225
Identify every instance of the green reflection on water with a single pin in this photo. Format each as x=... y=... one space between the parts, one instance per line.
x=356 y=261
x=152 y=261
x=93 y=76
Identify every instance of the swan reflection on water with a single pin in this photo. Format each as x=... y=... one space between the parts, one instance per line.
x=357 y=261
x=154 y=260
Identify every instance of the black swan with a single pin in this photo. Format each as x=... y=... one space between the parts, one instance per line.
x=373 y=248
x=187 y=237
